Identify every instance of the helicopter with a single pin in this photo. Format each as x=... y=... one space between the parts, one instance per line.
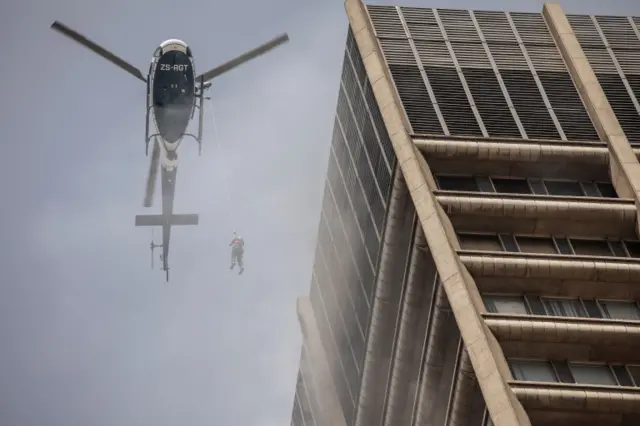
x=174 y=93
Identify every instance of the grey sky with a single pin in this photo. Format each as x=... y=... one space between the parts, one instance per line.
x=88 y=334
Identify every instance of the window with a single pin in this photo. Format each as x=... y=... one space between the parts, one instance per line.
x=590 y=189
x=564 y=307
x=633 y=247
x=620 y=310
x=536 y=305
x=563 y=371
x=566 y=188
x=457 y=183
x=591 y=247
x=576 y=372
x=485 y=184
x=563 y=246
x=536 y=245
x=607 y=190
x=534 y=371
x=624 y=379
x=509 y=243
x=538 y=187
x=593 y=374
x=512 y=186
x=617 y=248
x=592 y=308
x=480 y=242
x=506 y=304
x=634 y=370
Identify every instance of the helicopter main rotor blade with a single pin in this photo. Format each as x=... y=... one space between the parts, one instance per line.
x=74 y=35
x=152 y=176
x=245 y=57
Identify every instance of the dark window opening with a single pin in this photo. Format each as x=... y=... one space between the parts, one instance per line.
x=512 y=186
x=536 y=245
x=480 y=242
x=566 y=188
x=457 y=183
x=607 y=190
x=591 y=247
x=633 y=247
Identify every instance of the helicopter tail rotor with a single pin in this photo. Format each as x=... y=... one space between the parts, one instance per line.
x=152 y=176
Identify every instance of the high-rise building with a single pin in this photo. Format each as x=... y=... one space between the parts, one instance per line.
x=478 y=259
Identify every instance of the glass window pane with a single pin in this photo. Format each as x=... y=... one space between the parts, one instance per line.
x=634 y=370
x=509 y=243
x=506 y=304
x=536 y=305
x=564 y=307
x=593 y=374
x=607 y=190
x=633 y=247
x=563 y=246
x=566 y=188
x=533 y=371
x=592 y=308
x=590 y=189
x=457 y=183
x=538 y=187
x=620 y=310
x=484 y=183
x=480 y=242
x=617 y=248
x=591 y=247
x=536 y=245
x=563 y=371
x=511 y=186
x=622 y=375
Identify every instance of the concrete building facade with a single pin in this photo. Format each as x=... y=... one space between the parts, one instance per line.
x=478 y=260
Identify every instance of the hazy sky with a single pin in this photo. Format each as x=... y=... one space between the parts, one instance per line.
x=89 y=335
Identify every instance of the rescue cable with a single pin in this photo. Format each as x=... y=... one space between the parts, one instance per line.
x=222 y=165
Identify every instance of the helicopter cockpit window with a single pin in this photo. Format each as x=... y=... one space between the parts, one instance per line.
x=158 y=52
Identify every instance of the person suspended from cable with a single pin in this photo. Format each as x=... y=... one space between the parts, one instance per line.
x=237 y=251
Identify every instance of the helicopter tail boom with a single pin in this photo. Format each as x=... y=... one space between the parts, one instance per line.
x=162 y=220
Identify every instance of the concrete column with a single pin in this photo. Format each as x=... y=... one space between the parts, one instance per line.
x=624 y=165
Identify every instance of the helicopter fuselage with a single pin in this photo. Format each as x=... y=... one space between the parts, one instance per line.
x=172 y=92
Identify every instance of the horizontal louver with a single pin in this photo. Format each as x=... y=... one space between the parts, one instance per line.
x=458 y=25
x=532 y=28
x=495 y=27
x=378 y=122
x=629 y=60
x=634 y=82
x=546 y=57
x=471 y=55
x=585 y=31
x=621 y=104
x=386 y=21
x=433 y=53
x=421 y=23
x=529 y=104
x=397 y=51
x=567 y=105
x=508 y=56
x=491 y=103
x=618 y=32
x=453 y=101
x=600 y=60
x=415 y=99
